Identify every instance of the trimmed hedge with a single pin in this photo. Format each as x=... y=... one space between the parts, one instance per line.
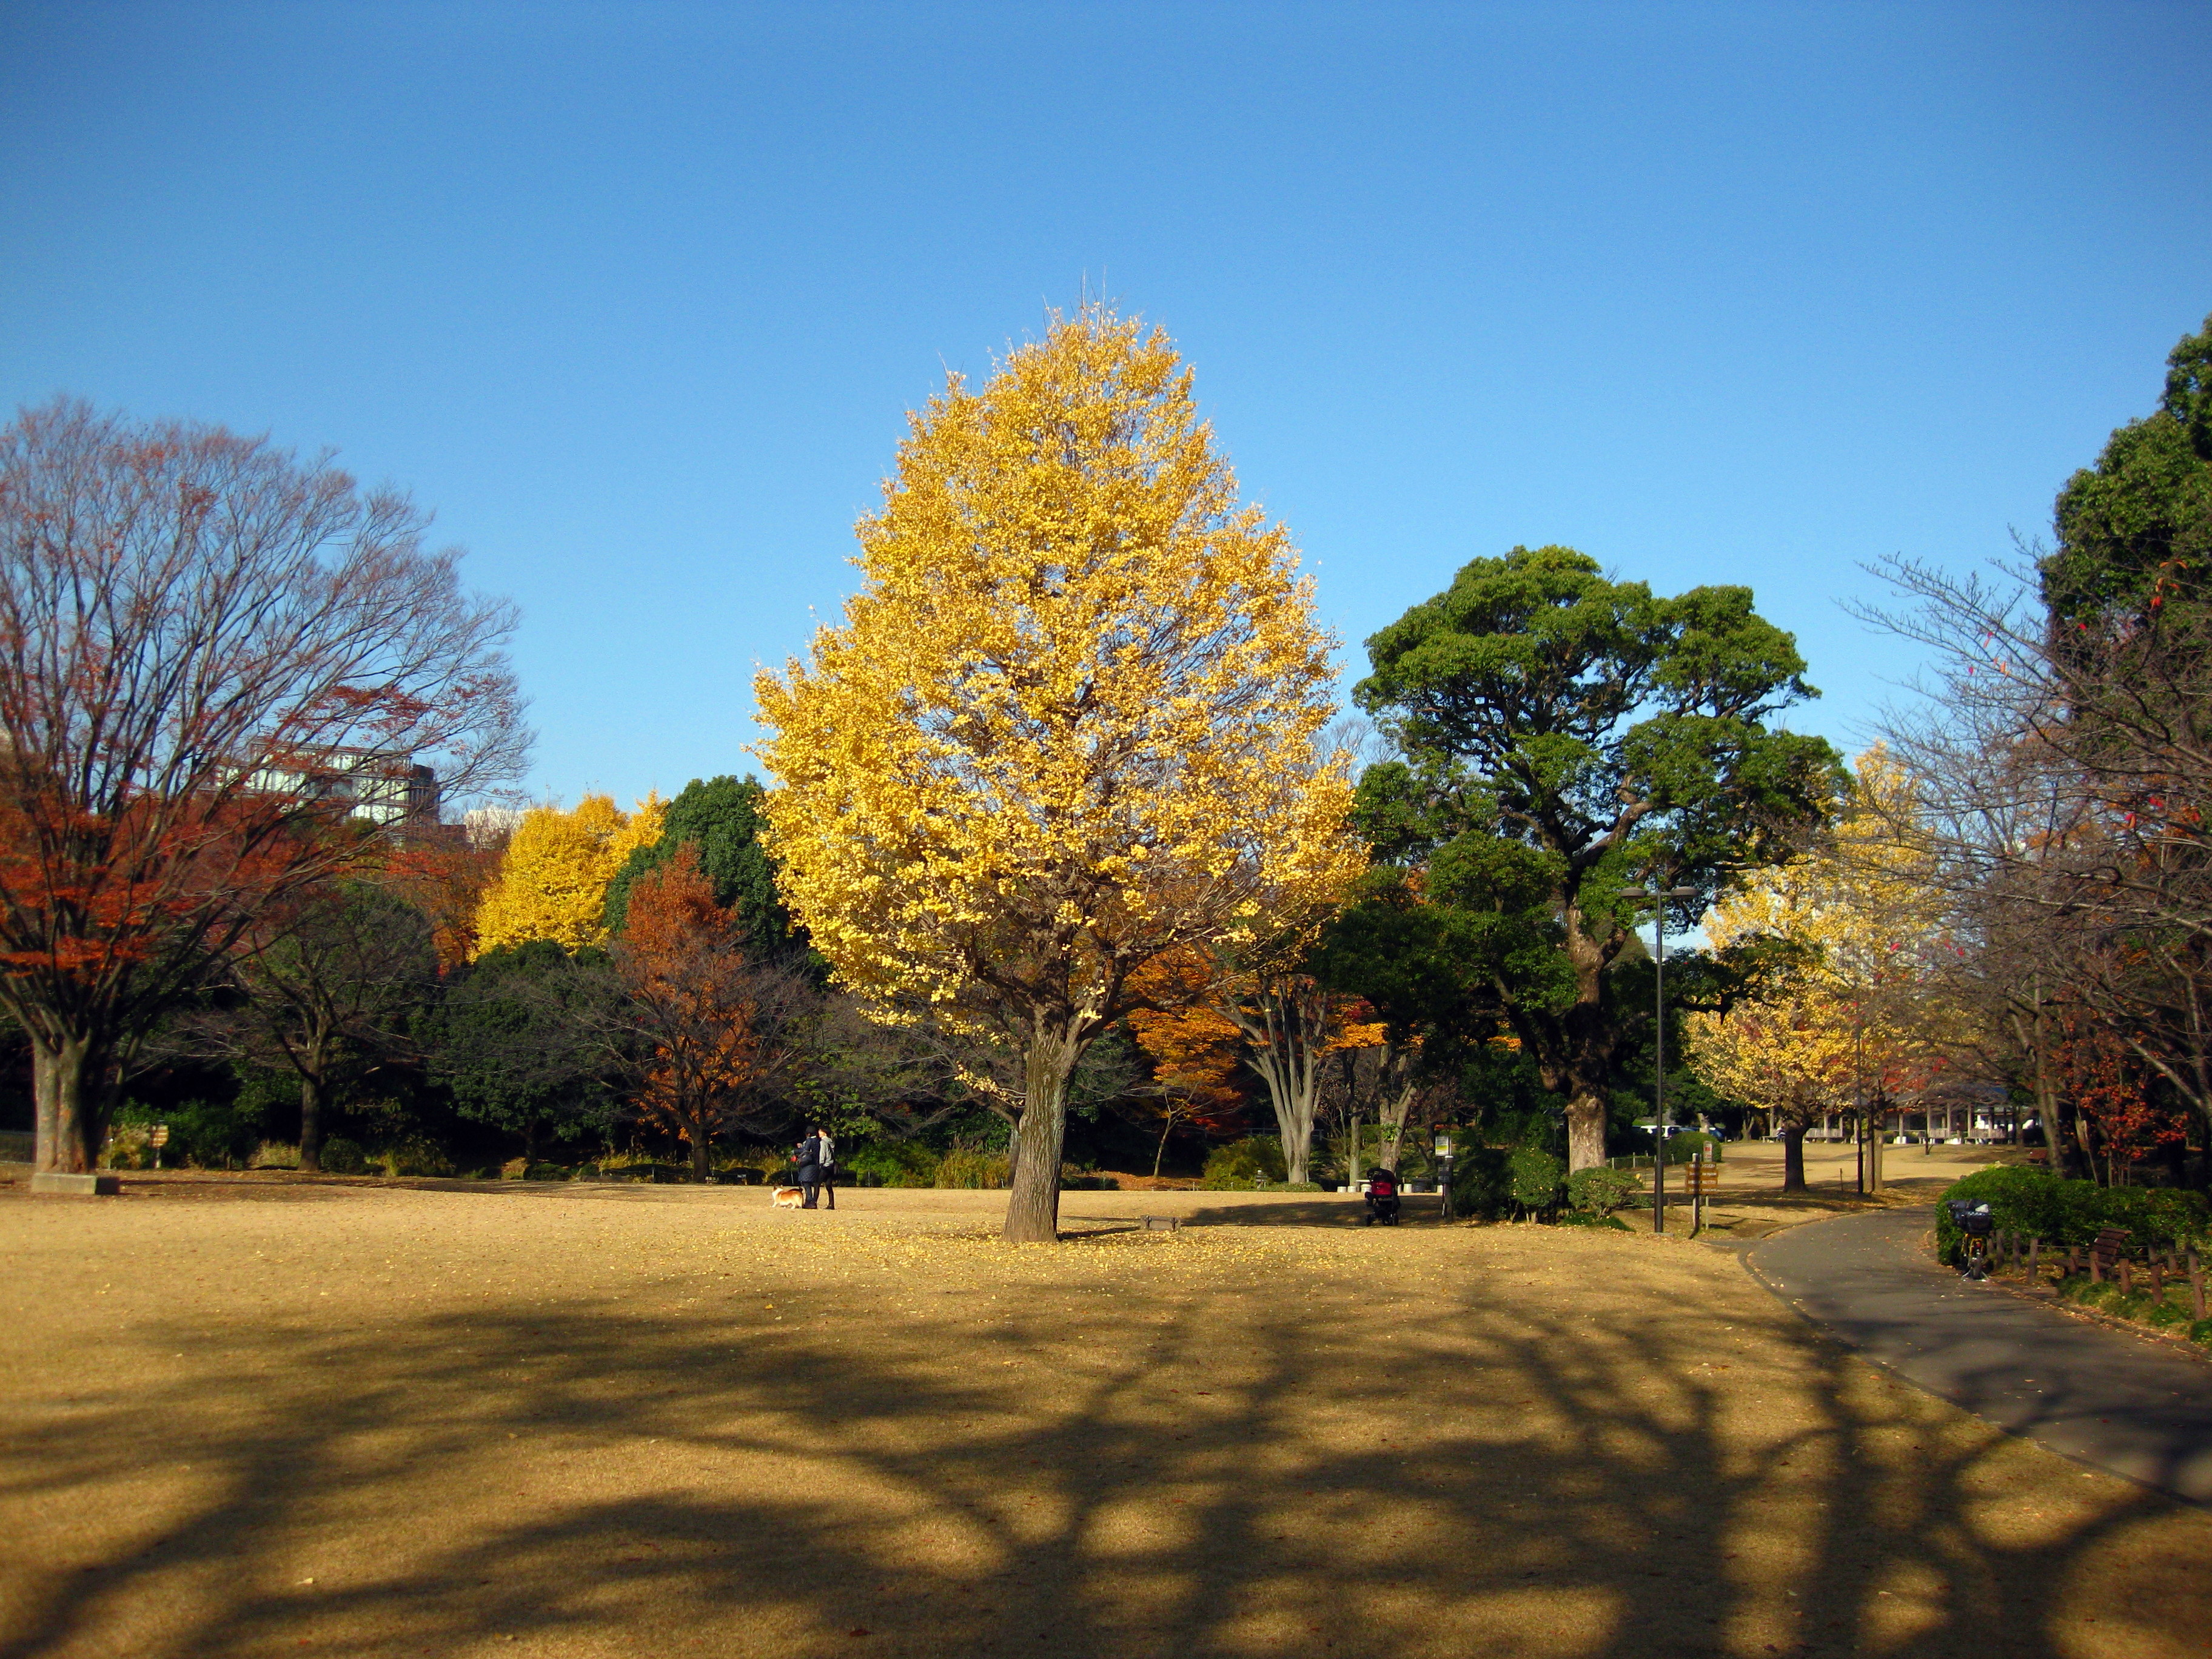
x=2044 y=1206
x=1534 y=1175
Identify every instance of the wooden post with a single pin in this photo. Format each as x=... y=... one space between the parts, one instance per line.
x=2096 y=1266
x=2195 y=1285
x=2127 y=1277
x=2073 y=1260
x=2157 y=1278
x=2034 y=1249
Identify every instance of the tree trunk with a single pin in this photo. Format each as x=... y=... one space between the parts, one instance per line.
x=701 y=1144
x=68 y=1084
x=1294 y=1121
x=1793 y=1158
x=1585 y=1131
x=1033 y=1206
x=2058 y=1136
x=311 y=1117
x=1392 y=1119
x=2085 y=1138
x=1286 y=1033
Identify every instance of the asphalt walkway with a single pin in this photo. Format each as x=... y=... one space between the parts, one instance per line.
x=2095 y=1393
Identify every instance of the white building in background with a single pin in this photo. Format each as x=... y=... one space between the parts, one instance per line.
x=385 y=789
x=491 y=826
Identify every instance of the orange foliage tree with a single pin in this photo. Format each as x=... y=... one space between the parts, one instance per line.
x=446 y=879
x=711 y=1026
x=1281 y=1024
x=212 y=654
x=1195 y=1053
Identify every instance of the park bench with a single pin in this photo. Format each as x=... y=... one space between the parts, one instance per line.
x=2110 y=1251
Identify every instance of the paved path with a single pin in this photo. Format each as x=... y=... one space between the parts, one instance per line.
x=2095 y=1393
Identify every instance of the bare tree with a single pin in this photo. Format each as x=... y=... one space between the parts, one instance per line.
x=2063 y=768
x=213 y=651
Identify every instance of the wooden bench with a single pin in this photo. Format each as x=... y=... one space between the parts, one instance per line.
x=2110 y=1251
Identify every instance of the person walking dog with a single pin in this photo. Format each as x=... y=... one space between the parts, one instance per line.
x=807 y=1155
x=816 y=1157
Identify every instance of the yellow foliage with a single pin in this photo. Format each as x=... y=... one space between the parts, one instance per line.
x=553 y=881
x=1070 y=721
x=1859 y=1018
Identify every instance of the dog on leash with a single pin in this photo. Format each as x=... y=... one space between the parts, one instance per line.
x=787 y=1198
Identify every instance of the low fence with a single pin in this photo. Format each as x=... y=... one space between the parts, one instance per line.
x=2111 y=1259
x=18 y=1146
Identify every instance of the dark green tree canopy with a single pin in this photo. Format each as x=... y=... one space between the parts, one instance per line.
x=722 y=817
x=1564 y=736
x=2138 y=524
x=1585 y=728
x=522 y=1040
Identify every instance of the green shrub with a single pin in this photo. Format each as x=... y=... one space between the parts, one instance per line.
x=2042 y=1205
x=897 y=1163
x=2200 y=1331
x=415 y=1157
x=1244 y=1165
x=344 y=1156
x=1533 y=1176
x=1601 y=1191
x=1584 y=1218
x=273 y=1155
x=545 y=1172
x=1691 y=1145
x=966 y=1167
x=127 y=1148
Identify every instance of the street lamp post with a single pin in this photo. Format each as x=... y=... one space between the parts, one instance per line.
x=1443 y=1174
x=1657 y=897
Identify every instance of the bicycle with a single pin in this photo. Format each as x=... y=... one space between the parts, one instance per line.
x=1976 y=1224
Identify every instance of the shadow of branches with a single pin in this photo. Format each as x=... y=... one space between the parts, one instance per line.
x=1172 y=1474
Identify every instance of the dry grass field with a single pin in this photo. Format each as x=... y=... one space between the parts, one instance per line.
x=269 y=1418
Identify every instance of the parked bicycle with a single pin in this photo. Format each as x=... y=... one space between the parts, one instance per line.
x=1973 y=1220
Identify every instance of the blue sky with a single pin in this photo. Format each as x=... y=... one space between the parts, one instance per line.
x=635 y=297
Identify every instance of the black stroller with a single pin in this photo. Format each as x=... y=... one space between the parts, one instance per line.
x=1381 y=1199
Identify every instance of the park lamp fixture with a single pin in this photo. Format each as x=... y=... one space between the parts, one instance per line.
x=1657 y=897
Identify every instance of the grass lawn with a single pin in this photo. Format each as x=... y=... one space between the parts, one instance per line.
x=259 y=1417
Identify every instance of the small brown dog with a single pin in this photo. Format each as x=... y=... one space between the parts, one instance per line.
x=787 y=1198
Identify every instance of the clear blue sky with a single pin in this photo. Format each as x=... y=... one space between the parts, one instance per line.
x=636 y=296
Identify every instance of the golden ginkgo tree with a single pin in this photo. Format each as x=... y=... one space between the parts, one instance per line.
x=1862 y=1018
x=552 y=882
x=1068 y=724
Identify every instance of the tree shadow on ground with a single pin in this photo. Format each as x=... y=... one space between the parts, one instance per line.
x=1292 y=1211
x=625 y=1480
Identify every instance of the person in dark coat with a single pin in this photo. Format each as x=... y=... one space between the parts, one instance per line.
x=811 y=1156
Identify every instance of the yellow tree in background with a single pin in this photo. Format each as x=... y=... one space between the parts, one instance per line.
x=1068 y=724
x=1860 y=1020
x=553 y=881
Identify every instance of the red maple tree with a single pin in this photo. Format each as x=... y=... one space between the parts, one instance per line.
x=212 y=656
x=711 y=1025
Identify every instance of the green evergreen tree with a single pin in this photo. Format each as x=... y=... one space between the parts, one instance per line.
x=1567 y=736
x=722 y=817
